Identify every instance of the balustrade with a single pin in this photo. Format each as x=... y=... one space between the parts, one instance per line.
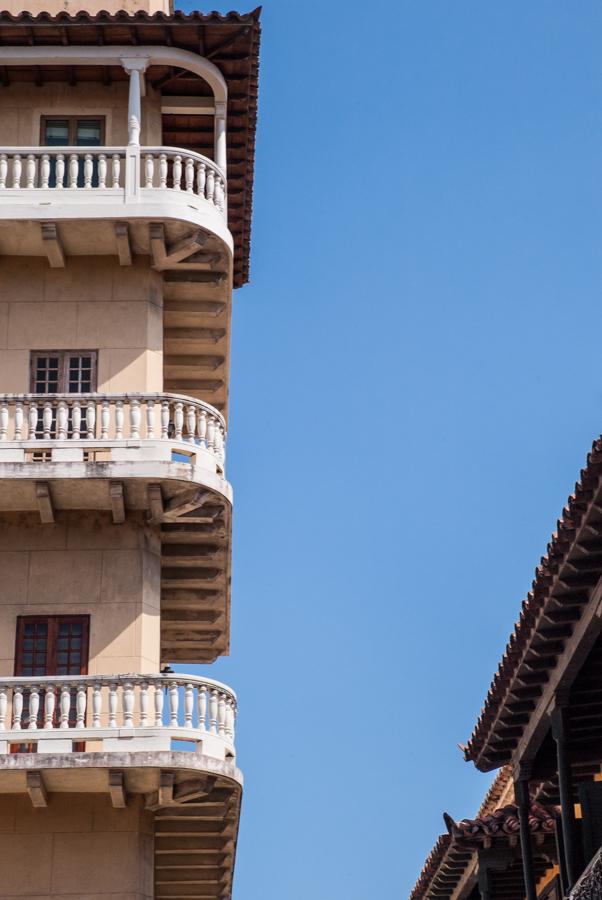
x=184 y=707
x=104 y=169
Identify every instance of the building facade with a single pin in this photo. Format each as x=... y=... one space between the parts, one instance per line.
x=126 y=168
x=539 y=833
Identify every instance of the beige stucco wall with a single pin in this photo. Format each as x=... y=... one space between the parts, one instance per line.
x=78 y=846
x=22 y=106
x=91 y=304
x=84 y=565
x=91 y=6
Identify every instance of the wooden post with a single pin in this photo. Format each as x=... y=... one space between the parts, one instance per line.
x=485 y=887
x=565 y=783
x=521 y=792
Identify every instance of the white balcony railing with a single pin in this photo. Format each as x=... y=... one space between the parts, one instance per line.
x=120 y=711
x=38 y=422
x=108 y=170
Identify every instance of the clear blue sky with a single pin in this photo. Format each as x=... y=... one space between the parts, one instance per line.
x=417 y=377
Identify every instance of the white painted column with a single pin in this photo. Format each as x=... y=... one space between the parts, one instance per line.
x=220 y=135
x=134 y=68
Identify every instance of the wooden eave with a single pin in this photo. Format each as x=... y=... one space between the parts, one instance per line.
x=548 y=645
x=230 y=41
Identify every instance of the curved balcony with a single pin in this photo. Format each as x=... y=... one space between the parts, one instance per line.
x=122 y=187
x=118 y=712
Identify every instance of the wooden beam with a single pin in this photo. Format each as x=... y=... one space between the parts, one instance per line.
x=124 y=250
x=45 y=505
x=117 y=498
x=36 y=789
x=184 y=503
x=194 y=789
x=117 y=789
x=155 y=503
x=52 y=245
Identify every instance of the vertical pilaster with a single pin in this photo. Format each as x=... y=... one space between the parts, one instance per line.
x=134 y=68
x=220 y=135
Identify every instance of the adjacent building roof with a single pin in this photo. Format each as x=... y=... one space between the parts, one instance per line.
x=230 y=41
x=562 y=585
x=502 y=822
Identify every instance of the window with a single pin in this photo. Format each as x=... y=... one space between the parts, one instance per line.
x=51 y=645
x=73 y=131
x=63 y=372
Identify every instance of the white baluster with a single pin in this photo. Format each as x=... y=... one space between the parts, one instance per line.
x=49 y=705
x=116 y=169
x=33 y=420
x=150 y=420
x=80 y=706
x=135 y=419
x=65 y=704
x=158 y=705
x=173 y=704
x=60 y=171
x=144 y=698
x=164 y=419
x=163 y=171
x=119 y=420
x=105 y=420
x=219 y=442
x=177 y=173
x=30 y=171
x=88 y=170
x=76 y=420
x=203 y=428
x=3 y=170
x=191 y=422
x=17 y=170
x=230 y=718
x=178 y=419
x=91 y=419
x=213 y=704
x=45 y=171
x=113 y=705
x=73 y=170
x=202 y=707
x=3 y=707
x=149 y=170
x=221 y=715
x=62 y=417
x=189 y=174
x=188 y=705
x=96 y=704
x=128 y=704
x=17 y=707
x=102 y=171
x=210 y=186
x=34 y=707
x=211 y=433
x=18 y=420
x=47 y=420
x=3 y=421
x=201 y=179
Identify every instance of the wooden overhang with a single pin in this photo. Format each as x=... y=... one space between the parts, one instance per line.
x=230 y=41
x=558 y=625
x=443 y=870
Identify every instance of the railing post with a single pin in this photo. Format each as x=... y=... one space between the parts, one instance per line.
x=221 y=108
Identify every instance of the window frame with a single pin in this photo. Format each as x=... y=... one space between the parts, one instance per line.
x=53 y=623
x=72 y=126
x=63 y=377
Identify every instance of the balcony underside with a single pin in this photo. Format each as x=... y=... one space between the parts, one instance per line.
x=195 y=801
x=191 y=507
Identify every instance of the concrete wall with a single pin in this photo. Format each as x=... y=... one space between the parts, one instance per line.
x=84 y=565
x=22 y=106
x=79 y=847
x=91 y=6
x=91 y=304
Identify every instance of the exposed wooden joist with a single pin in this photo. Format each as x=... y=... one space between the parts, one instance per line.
x=117 y=498
x=36 y=789
x=52 y=245
x=124 y=249
x=44 y=501
x=117 y=789
x=184 y=503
